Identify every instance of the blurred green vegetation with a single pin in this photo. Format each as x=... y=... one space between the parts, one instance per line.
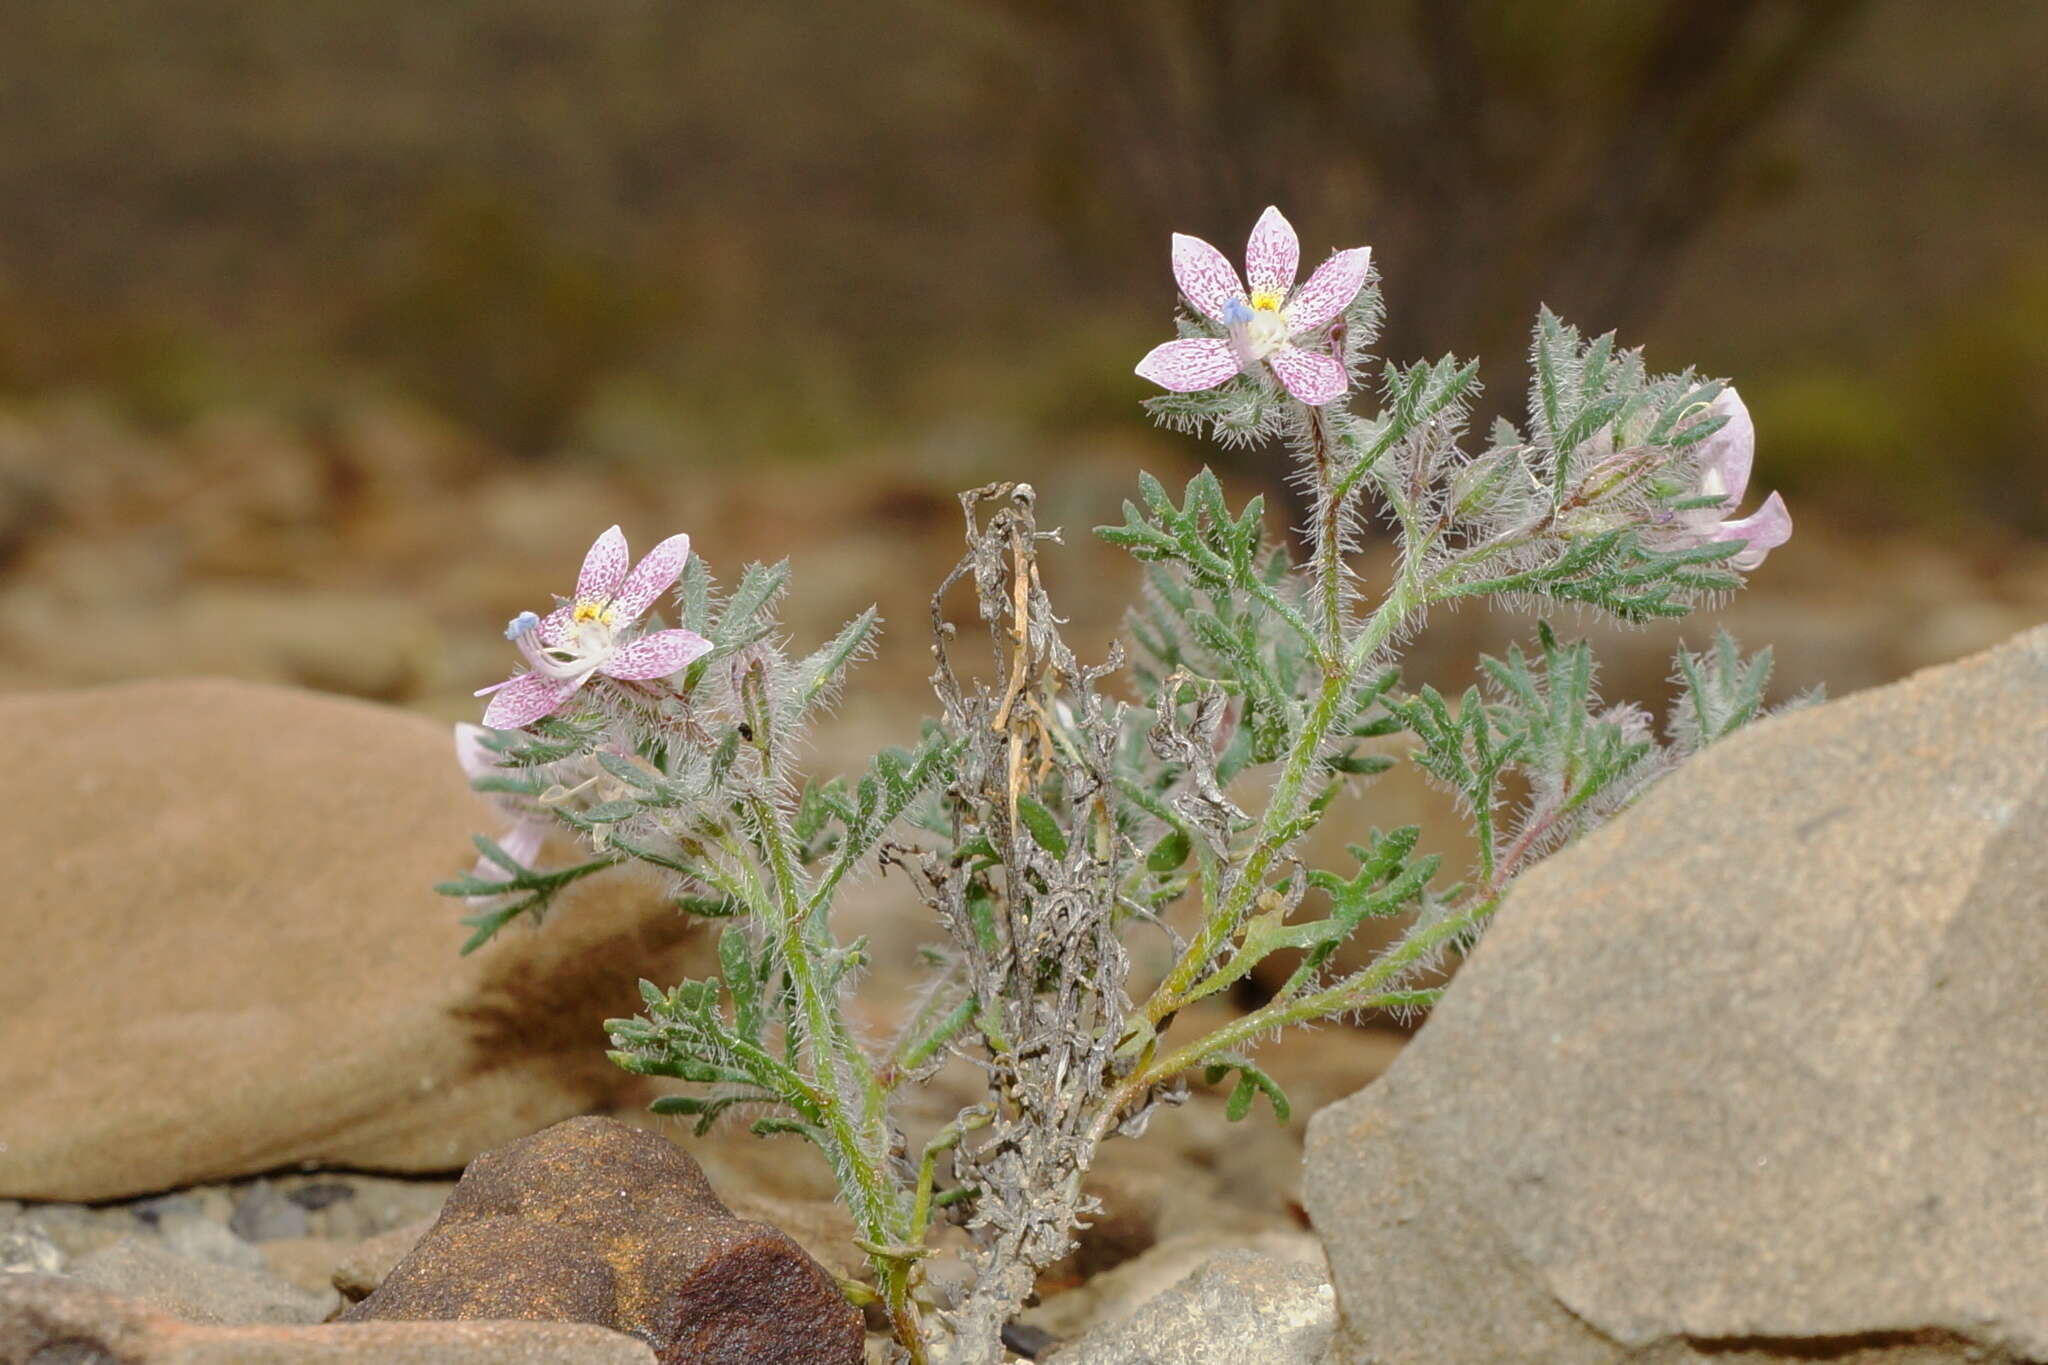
x=779 y=227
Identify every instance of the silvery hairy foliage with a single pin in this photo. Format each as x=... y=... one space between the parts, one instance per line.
x=1059 y=808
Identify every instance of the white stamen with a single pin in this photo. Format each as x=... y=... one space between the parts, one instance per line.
x=589 y=647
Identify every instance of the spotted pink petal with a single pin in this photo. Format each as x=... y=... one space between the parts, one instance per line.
x=652 y=577
x=604 y=567
x=1726 y=456
x=523 y=842
x=524 y=700
x=476 y=760
x=1329 y=291
x=556 y=627
x=1205 y=276
x=1191 y=365
x=1765 y=529
x=1272 y=256
x=657 y=655
x=1311 y=376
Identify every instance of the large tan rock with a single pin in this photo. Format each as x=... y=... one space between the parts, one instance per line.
x=224 y=953
x=1753 y=1074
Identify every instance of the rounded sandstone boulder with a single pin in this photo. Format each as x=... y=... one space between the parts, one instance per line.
x=1752 y=1073
x=225 y=954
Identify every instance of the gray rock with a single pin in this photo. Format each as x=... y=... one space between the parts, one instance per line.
x=322 y=1194
x=74 y=1229
x=193 y=1291
x=1113 y=1296
x=196 y=1237
x=1753 y=1073
x=1238 y=1308
x=216 y=1202
x=372 y=1205
x=262 y=1214
x=25 y=1249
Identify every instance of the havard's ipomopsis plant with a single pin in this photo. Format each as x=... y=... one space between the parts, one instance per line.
x=1056 y=809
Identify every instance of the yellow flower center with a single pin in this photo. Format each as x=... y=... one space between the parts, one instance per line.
x=592 y=611
x=1266 y=301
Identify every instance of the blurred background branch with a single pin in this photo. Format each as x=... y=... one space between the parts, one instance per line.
x=1501 y=152
x=518 y=211
x=271 y=272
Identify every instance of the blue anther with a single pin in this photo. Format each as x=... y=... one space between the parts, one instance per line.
x=520 y=624
x=1237 y=311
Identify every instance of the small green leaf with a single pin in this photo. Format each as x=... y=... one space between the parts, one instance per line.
x=1169 y=853
x=775 y=1123
x=725 y=755
x=822 y=669
x=489 y=848
x=710 y=907
x=981 y=913
x=743 y=617
x=489 y=923
x=941 y=1030
x=1043 y=827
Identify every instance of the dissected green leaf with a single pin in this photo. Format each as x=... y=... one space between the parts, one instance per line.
x=1252 y=1081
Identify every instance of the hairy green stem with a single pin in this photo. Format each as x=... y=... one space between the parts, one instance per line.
x=1223 y=922
x=1359 y=991
x=1329 y=547
x=871 y=1198
x=1367 y=459
x=920 y=1043
x=944 y=1140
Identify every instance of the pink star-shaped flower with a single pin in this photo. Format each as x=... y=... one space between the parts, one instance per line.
x=1263 y=322
x=592 y=633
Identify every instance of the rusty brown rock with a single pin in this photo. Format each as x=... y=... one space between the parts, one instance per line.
x=54 y=1319
x=358 y=1273
x=500 y=1267
x=824 y=1229
x=529 y=1223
